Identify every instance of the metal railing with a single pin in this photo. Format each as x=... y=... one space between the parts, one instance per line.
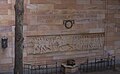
x=98 y=65
x=88 y=66
x=43 y=69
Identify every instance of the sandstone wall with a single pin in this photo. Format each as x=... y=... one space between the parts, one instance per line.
x=45 y=18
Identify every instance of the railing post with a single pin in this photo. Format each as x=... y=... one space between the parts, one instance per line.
x=51 y=70
x=46 y=69
x=114 y=62
x=101 y=64
x=95 y=65
x=61 y=69
x=43 y=69
x=39 y=68
x=56 y=67
x=34 y=70
x=104 y=63
x=91 y=66
x=31 y=69
x=107 y=63
x=84 y=68
x=98 y=65
x=23 y=69
x=111 y=63
x=80 y=68
x=87 y=66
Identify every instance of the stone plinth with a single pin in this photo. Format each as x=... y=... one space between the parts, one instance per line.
x=70 y=69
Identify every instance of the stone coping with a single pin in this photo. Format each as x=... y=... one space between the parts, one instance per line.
x=71 y=67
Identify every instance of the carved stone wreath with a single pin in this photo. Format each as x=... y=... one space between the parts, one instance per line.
x=68 y=23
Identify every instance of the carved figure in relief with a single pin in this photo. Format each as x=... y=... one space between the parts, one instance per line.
x=44 y=44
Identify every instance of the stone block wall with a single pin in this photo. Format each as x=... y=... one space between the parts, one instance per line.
x=44 y=18
x=6 y=23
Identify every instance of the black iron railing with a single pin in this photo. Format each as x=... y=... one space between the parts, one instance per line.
x=43 y=69
x=88 y=66
x=98 y=64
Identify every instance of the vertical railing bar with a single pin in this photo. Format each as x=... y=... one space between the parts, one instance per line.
x=31 y=69
x=114 y=62
x=108 y=63
x=87 y=65
x=43 y=68
x=51 y=70
x=29 y=66
x=83 y=67
x=101 y=64
x=56 y=67
x=23 y=69
x=80 y=67
x=111 y=65
x=39 y=69
x=46 y=68
x=95 y=65
x=91 y=66
x=35 y=69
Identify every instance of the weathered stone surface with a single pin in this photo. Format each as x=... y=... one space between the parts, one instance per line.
x=6 y=61
x=96 y=30
x=83 y=1
x=64 y=6
x=68 y=1
x=38 y=1
x=56 y=43
x=113 y=7
x=117 y=16
x=3 y=12
x=45 y=17
x=98 y=1
x=117 y=44
x=114 y=2
x=90 y=7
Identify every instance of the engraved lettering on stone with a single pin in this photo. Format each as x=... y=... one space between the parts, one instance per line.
x=56 y=43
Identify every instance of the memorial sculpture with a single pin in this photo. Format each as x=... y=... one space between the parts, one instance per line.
x=68 y=42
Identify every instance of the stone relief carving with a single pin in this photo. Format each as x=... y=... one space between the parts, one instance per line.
x=54 y=43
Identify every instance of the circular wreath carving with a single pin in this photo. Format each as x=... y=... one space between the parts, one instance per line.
x=68 y=23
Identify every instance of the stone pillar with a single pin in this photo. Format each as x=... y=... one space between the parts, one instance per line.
x=70 y=69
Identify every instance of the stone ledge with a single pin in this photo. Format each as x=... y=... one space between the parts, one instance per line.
x=70 y=69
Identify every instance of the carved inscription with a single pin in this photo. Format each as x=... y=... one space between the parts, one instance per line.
x=54 y=43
